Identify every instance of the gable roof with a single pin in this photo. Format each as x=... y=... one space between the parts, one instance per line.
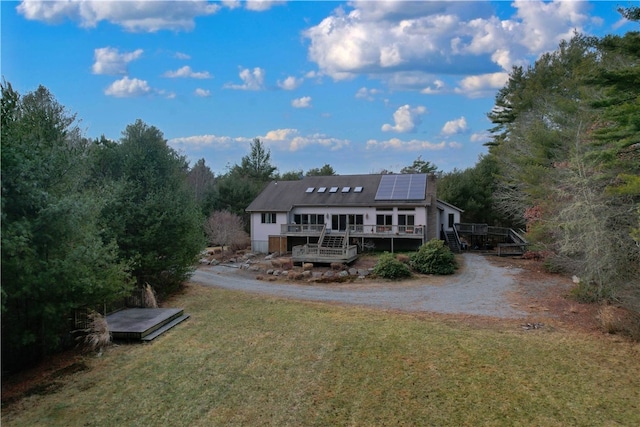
x=282 y=196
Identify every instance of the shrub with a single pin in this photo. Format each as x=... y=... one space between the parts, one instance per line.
x=149 y=297
x=434 y=258
x=96 y=334
x=389 y=267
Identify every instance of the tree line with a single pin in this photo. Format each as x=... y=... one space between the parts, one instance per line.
x=563 y=162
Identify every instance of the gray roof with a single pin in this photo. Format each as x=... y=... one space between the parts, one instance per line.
x=282 y=196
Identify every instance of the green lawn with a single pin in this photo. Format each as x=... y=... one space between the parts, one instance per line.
x=249 y=360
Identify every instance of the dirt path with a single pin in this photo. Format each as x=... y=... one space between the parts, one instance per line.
x=479 y=288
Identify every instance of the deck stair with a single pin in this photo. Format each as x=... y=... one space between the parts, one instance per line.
x=332 y=241
x=452 y=241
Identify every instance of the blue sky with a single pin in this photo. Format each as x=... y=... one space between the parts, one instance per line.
x=363 y=86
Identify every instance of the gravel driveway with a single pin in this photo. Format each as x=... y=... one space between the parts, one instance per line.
x=479 y=289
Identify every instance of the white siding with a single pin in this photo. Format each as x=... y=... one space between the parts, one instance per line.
x=260 y=232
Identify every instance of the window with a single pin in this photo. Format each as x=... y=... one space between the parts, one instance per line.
x=406 y=223
x=333 y=189
x=309 y=190
x=306 y=219
x=346 y=189
x=322 y=189
x=269 y=218
x=451 y=220
x=383 y=223
x=357 y=190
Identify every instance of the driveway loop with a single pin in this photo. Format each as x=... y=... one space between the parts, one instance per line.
x=480 y=289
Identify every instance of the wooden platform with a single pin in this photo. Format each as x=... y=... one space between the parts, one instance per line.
x=143 y=324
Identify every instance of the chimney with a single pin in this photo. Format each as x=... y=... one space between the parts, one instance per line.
x=432 y=209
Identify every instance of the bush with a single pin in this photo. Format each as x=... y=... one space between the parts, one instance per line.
x=389 y=267
x=434 y=258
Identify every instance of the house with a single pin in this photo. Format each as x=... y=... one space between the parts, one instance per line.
x=320 y=218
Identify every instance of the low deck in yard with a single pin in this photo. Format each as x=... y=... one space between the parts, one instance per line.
x=143 y=324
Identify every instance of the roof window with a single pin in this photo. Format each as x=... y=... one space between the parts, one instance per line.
x=310 y=190
x=322 y=189
x=333 y=190
x=357 y=190
x=346 y=189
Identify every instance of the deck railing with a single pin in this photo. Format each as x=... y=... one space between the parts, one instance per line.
x=301 y=228
x=357 y=230
x=319 y=252
x=472 y=228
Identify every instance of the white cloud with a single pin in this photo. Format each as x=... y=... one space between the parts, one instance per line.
x=262 y=5
x=181 y=55
x=290 y=83
x=143 y=16
x=438 y=86
x=203 y=141
x=109 y=60
x=187 y=72
x=428 y=38
x=481 y=85
x=291 y=140
x=456 y=126
x=128 y=88
x=545 y=24
x=368 y=94
x=204 y=93
x=252 y=80
x=406 y=119
x=400 y=145
x=480 y=137
x=280 y=134
x=304 y=102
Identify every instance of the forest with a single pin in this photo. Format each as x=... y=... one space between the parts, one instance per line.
x=86 y=221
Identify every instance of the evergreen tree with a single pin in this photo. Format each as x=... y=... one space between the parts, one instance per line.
x=53 y=256
x=153 y=215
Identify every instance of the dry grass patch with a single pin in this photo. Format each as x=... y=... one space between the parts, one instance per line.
x=251 y=360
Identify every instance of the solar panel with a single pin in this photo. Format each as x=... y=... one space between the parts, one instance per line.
x=418 y=187
x=402 y=187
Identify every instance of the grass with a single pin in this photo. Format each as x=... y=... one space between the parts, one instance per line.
x=249 y=360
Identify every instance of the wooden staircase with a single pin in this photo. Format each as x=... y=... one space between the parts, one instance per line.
x=451 y=239
x=332 y=241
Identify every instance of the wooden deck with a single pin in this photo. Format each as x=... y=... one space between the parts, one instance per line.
x=143 y=324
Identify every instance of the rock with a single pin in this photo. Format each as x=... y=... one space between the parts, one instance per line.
x=343 y=274
x=336 y=266
x=329 y=274
x=353 y=271
x=307 y=274
x=270 y=271
x=307 y=266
